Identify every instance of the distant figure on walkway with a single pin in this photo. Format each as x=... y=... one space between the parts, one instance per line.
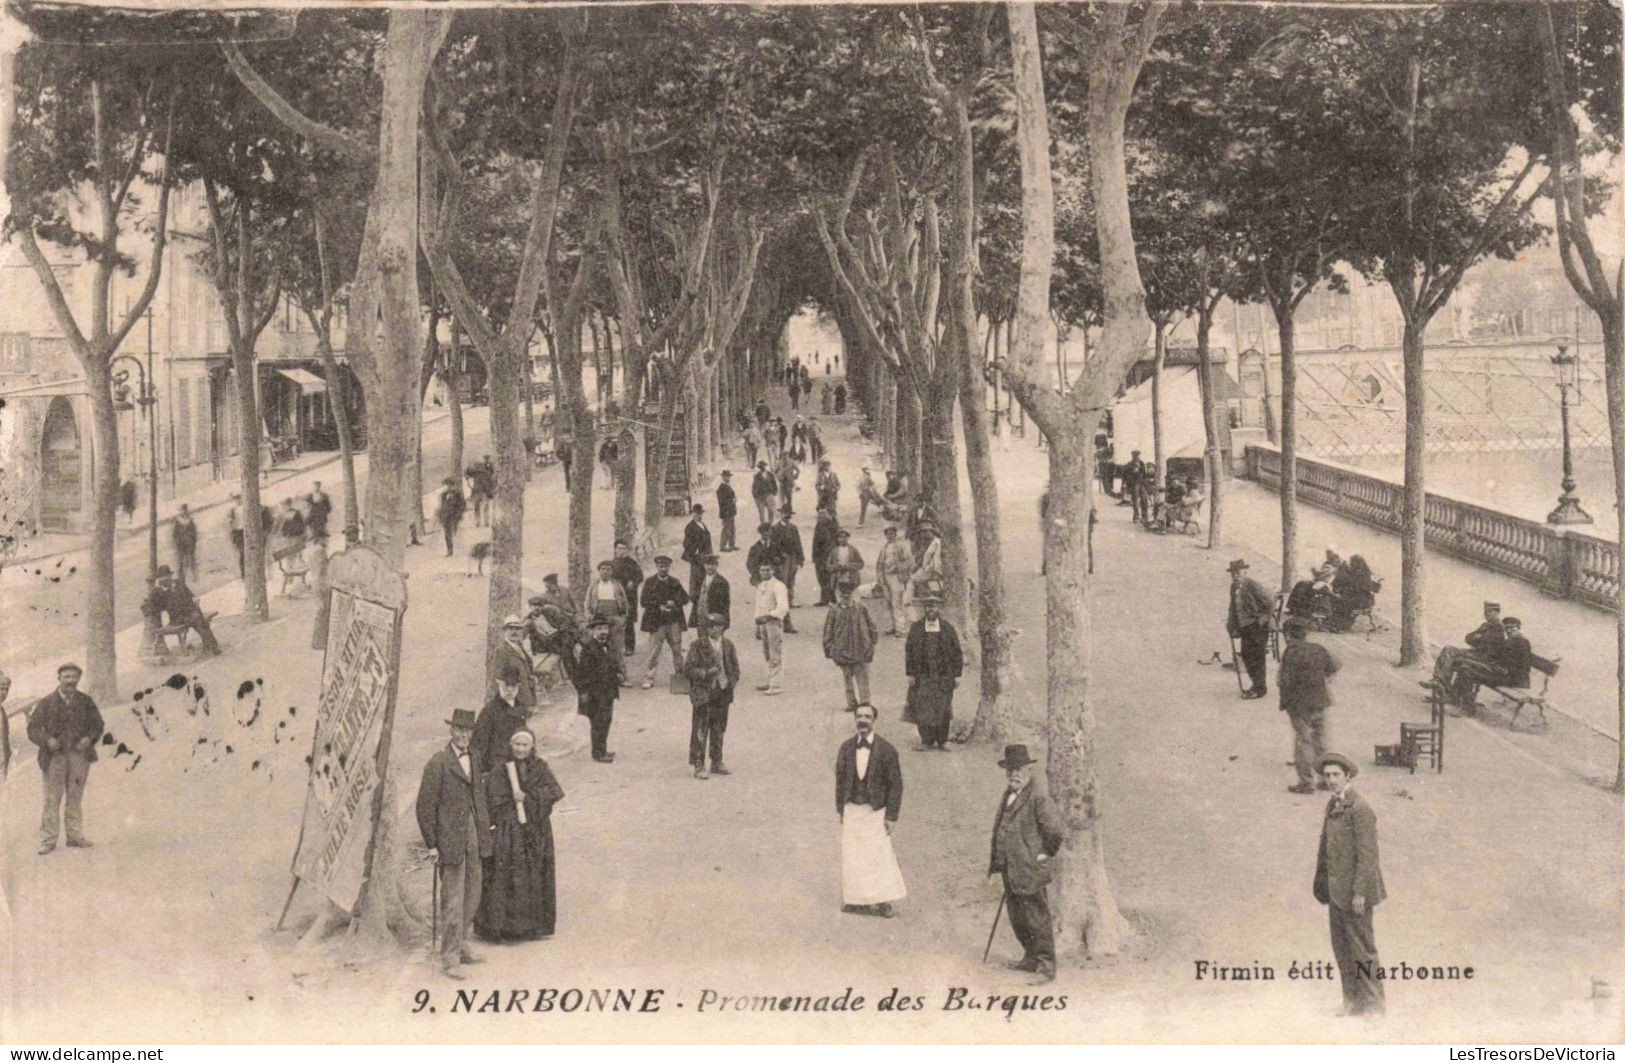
x=828 y=485
x=519 y=900
x=762 y=414
x=5 y=731
x=608 y=454
x=826 y=401
x=607 y=599
x=844 y=559
x=764 y=490
x=598 y=684
x=840 y=399
x=482 y=487
x=512 y=651
x=712 y=670
x=456 y=828
x=499 y=719
x=894 y=567
x=171 y=596
x=1249 y=621
x=696 y=544
x=288 y=538
x=868 y=797
x=234 y=526
x=565 y=451
x=629 y=574
x=449 y=511
x=715 y=597
x=1306 y=668
x=1136 y=475
x=1348 y=880
x=1354 y=591
x=753 y=442
x=772 y=610
x=1027 y=833
x=867 y=494
x=787 y=544
x=933 y=660
x=849 y=641
x=319 y=507
x=663 y=602
x=823 y=544
x=727 y=512
x=126 y=499
x=65 y=724
x=927 y=578
x=183 y=533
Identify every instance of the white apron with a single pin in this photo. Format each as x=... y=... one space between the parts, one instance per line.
x=869 y=871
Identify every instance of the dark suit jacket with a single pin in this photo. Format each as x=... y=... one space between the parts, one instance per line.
x=663 y=601
x=1020 y=832
x=718 y=599
x=824 y=540
x=727 y=502
x=1487 y=636
x=1250 y=604
x=885 y=777
x=1305 y=668
x=1347 y=865
x=493 y=728
x=696 y=542
x=787 y=544
x=1511 y=658
x=711 y=681
x=66 y=719
x=449 y=806
x=598 y=670
x=761 y=554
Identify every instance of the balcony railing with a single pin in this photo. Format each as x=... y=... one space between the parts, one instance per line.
x=1560 y=561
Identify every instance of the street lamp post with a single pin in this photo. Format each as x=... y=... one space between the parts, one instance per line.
x=1568 y=509
x=147 y=400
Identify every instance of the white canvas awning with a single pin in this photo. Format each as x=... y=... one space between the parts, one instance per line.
x=306 y=380
x=1182 y=433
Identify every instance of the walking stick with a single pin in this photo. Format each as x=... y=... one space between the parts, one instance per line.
x=434 y=911
x=1002 y=898
x=1235 y=660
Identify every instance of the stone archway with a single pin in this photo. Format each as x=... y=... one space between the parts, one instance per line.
x=62 y=496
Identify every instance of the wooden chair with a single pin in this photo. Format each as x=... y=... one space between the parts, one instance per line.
x=294 y=569
x=1521 y=698
x=1419 y=740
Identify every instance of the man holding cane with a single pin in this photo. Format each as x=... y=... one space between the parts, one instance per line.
x=456 y=828
x=1026 y=834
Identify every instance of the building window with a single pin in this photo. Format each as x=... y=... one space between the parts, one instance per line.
x=183 y=424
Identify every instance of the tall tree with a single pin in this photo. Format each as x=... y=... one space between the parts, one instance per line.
x=100 y=121
x=1110 y=43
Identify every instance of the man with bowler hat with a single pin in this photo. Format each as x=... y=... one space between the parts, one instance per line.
x=1027 y=832
x=456 y=828
x=65 y=724
x=712 y=669
x=1249 y=621
x=696 y=544
x=598 y=684
x=1348 y=880
x=727 y=510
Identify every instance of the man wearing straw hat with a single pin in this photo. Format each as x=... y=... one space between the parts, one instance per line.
x=1348 y=880
x=868 y=796
x=1027 y=832
x=457 y=830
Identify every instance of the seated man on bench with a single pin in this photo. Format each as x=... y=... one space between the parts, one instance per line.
x=170 y=595
x=1506 y=664
x=1481 y=644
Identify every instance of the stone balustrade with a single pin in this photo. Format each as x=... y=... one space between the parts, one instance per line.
x=1560 y=561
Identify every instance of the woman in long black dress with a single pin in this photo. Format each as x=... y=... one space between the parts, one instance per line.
x=518 y=900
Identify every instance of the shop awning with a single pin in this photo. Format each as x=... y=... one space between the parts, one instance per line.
x=306 y=380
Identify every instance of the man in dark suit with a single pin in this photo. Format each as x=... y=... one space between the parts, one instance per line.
x=727 y=510
x=1306 y=668
x=823 y=543
x=626 y=571
x=761 y=552
x=65 y=724
x=663 y=602
x=497 y=722
x=1348 y=880
x=1249 y=621
x=598 y=684
x=696 y=544
x=868 y=797
x=715 y=596
x=712 y=669
x=457 y=829
x=1460 y=671
x=511 y=651
x=787 y=544
x=1027 y=832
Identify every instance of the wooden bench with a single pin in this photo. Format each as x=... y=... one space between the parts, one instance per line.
x=1521 y=698
x=159 y=650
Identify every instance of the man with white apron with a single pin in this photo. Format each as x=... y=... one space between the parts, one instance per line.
x=868 y=795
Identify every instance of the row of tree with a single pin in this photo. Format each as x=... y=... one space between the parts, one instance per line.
x=677 y=182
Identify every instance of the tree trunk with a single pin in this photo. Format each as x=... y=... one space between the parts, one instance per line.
x=1413 y=508
x=504 y=372
x=1159 y=357
x=940 y=480
x=626 y=466
x=101 y=662
x=574 y=411
x=654 y=497
x=451 y=379
x=995 y=714
x=909 y=418
x=256 y=600
x=1210 y=425
x=1086 y=913
x=1613 y=354
x=1289 y=445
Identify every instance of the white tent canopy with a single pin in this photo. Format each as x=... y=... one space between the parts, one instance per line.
x=1182 y=433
